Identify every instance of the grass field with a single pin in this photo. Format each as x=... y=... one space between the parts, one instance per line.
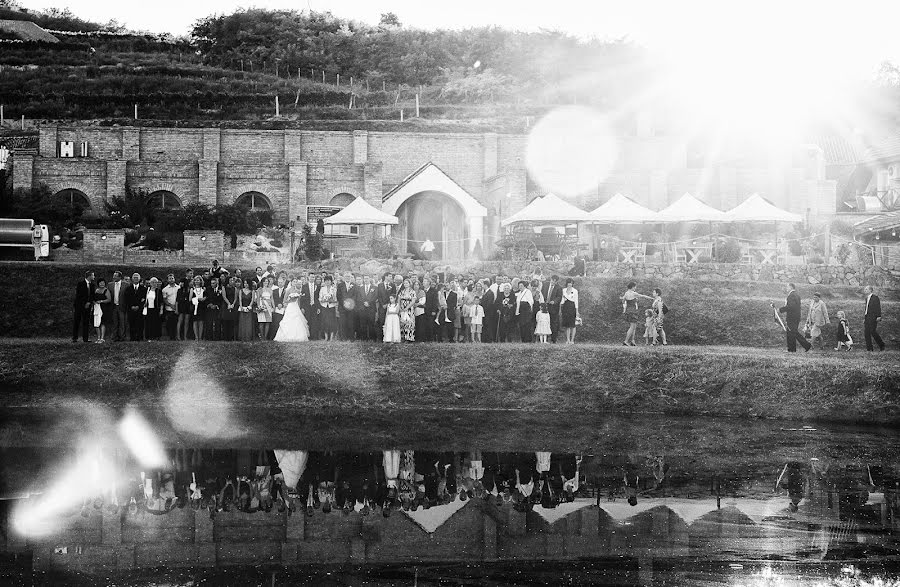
x=702 y=312
x=354 y=377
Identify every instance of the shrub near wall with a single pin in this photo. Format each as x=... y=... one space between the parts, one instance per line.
x=702 y=312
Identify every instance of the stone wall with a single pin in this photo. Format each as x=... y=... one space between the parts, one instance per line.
x=103 y=245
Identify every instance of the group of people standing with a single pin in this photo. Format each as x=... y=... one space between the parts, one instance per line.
x=265 y=305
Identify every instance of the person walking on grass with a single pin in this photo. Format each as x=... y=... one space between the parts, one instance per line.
x=843 y=332
x=871 y=320
x=816 y=319
x=659 y=311
x=791 y=310
x=630 y=312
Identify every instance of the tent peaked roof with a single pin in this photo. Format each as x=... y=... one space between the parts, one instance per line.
x=622 y=209
x=687 y=208
x=548 y=209
x=360 y=211
x=758 y=209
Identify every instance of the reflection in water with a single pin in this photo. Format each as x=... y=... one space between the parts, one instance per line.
x=222 y=507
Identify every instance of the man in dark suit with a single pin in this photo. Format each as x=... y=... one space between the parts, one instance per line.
x=383 y=294
x=872 y=318
x=791 y=310
x=552 y=293
x=84 y=293
x=278 y=300
x=488 y=304
x=312 y=307
x=366 y=311
x=135 y=296
x=432 y=307
x=212 y=329
x=346 y=297
x=120 y=311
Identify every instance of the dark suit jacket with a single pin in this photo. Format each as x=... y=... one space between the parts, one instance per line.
x=278 y=295
x=452 y=299
x=214 y=298
x=556 y=297
x=83 y=294
x=135 y=297
x=432 y=306
x=362 y=298
x=874 y=309
x=791 y=308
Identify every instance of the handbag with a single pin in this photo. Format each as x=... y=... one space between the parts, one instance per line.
x=579 y=321
x=806 y=332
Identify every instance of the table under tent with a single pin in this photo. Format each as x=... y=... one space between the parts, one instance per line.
x=540 y=231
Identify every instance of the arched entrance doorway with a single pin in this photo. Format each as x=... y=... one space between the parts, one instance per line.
x=434 y=216
x=163 y=200
x=253 y=201
x=75 y=198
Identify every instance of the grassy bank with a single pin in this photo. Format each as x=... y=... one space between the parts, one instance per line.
x=702 y=312
x=349 y=377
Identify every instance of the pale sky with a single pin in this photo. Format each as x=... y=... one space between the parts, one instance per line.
x=855 y=36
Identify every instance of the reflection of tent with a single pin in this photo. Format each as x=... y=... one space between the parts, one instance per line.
x=361 y=212
x=432 y=518
x=687 y=208
x=548 y=210
x=758 y=209
x=622 y=210
x=563 y=509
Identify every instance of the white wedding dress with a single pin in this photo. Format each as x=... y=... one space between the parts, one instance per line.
x=293 y=326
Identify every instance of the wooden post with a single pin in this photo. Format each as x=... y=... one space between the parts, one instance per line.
x=417 y=105
x=277 y=107
x=338 y=82
x=135 y=112
x=323 y=76
x=351 y=82
x=23 y=122
x=367 y=85
x=1 y=115
x=383 y=86
x=299 y=73
x=401 y=115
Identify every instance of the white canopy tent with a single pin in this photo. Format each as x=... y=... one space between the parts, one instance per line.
x=687 y=208
x=622 y=210
x=548 y=209
x=758 y=209
x=361 y=212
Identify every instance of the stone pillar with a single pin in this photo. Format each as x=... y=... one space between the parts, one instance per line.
x=293 y=146
x=372 y=184
x=103 y=246
x=360 y=147
x=297 y=200
x=47 y=139
x=131 y=144
x=212 y=141
x=23 y=171
x=208 y=180
x=490 y=154
x=203 y=245
x=116 y=178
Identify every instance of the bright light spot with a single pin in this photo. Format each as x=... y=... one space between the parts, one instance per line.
x=91 y=476
x=141 y=440
x=477 y=64
x=195 y=402
x=759 y=77
x=571 y=150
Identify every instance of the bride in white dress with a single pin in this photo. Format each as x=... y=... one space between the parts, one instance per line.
x=293 y=326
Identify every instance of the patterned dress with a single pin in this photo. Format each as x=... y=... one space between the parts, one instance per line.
x=407 y=314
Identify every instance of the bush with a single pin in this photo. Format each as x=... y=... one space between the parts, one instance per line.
x=154 y=241
x=313 y=244
x=729 y=251
x=386 y=248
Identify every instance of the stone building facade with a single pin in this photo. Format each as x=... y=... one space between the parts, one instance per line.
x=451 y=188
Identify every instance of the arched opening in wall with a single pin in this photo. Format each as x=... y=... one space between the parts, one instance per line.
x=75 y=198
x=163 y=200
x=342 y=200
x=436 y=217
x=253 y=201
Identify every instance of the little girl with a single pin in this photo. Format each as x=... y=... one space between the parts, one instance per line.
x=649 y=327
x=477 y=313
x=392 y=321
x=543 y=324
x=843 y=332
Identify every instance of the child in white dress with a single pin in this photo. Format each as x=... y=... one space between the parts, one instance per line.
x=392 y=321
x=542 y=330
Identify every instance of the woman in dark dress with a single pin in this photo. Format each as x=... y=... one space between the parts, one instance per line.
x=630 y=312
x=568 y=311
x=506 y=305
x=153 y=308
x=184 y=308
x=246 y=330
x=228 y=311
x=103 y=310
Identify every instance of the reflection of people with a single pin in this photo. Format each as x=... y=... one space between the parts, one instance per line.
x=426 y=249
x=872 y=318
x=792 y=476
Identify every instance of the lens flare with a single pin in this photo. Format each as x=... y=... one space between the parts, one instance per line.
x=571 y=150
x=195 y=402
x=141 y=440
